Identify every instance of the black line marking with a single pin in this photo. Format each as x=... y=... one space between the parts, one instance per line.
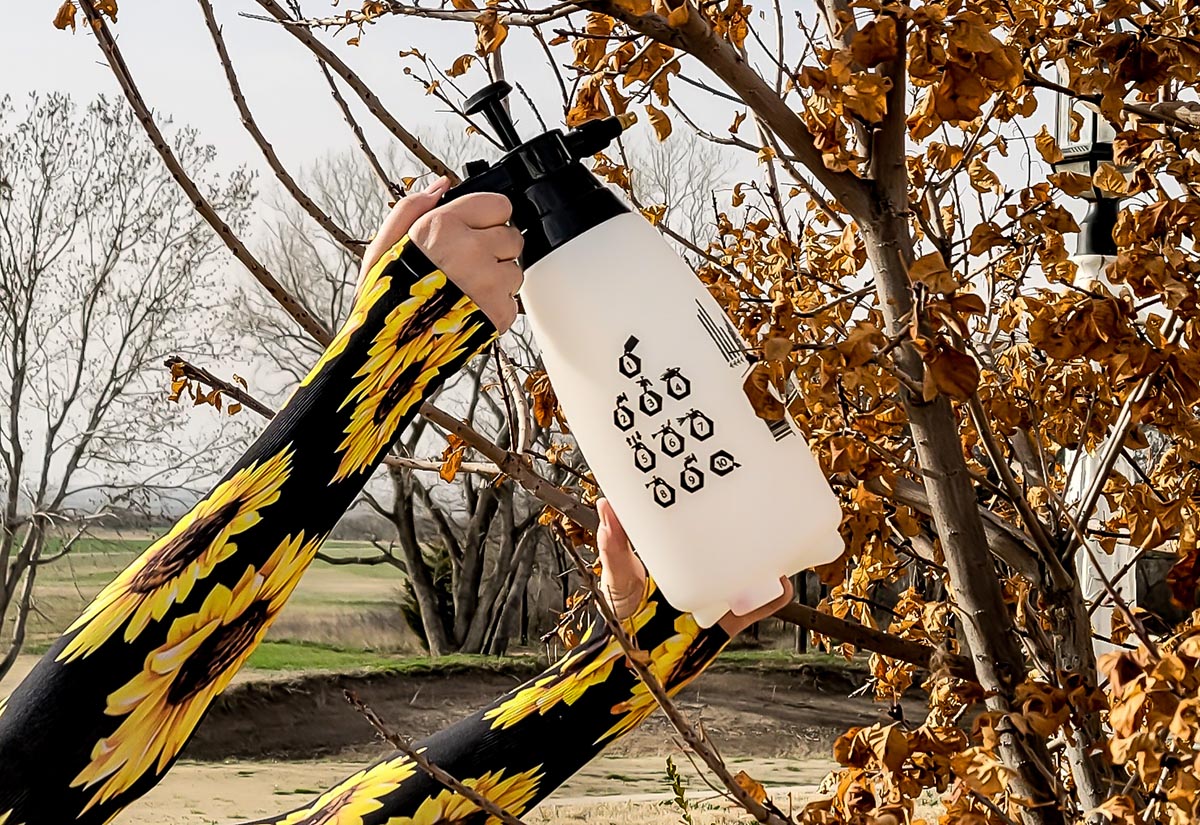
x=779 y=429
x=723 y=335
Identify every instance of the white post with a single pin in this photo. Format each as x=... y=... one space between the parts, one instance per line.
x=1091 y=269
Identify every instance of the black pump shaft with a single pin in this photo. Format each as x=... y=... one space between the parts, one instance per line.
x=489 y=101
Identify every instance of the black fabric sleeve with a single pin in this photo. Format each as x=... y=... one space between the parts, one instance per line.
x=107 y=710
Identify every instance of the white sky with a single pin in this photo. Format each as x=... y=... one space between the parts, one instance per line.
x=173 y=60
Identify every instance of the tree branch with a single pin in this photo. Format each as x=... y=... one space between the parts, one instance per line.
x=698 y=38
x=372 y=158
x=116 y=62
x=376 y=107
x=418 y=757
x=353 y=246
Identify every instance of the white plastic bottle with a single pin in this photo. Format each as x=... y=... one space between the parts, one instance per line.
x=649 y=371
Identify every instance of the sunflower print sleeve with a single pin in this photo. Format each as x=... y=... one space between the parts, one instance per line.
x=527 y=743
x=107 y=710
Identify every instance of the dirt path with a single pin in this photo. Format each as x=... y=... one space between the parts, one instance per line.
x=611 y=789
x=790 y=711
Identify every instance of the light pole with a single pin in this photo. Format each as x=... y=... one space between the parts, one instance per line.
x=1085 y=138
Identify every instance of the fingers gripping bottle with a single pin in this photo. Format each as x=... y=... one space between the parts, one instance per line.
x=649 y=370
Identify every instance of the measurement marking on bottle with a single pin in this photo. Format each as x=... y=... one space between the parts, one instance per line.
x=723 y=335
x=779 y=429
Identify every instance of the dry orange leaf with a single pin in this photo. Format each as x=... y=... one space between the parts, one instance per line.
x=65 y=16
x=751 y=786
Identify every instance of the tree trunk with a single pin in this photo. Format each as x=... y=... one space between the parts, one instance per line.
x=1075 y=654
x=514 y=604
x=985 y=621
x=469 y=573
x=491 y=585
x=424 y=589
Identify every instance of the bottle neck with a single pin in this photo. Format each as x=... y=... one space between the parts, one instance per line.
x=569 y=202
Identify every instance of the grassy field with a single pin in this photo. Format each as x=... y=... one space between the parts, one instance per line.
x=341 y=616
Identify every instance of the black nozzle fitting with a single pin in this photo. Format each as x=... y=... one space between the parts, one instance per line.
x=554 y=197
x=489 y=101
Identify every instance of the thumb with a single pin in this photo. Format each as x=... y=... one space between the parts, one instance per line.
x=403 y=215
x=616 y=555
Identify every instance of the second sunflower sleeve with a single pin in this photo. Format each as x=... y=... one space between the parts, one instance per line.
x=517 y=750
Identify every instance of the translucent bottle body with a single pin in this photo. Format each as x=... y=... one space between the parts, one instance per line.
x=718 y=503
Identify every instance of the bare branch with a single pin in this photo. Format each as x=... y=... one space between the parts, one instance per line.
x=698 y=742
x=440 y=774
x=116 y=62
x=353 y=246
x=372 y=158
x=376 y=107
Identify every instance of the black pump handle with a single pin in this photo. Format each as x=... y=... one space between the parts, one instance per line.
x=489 y=101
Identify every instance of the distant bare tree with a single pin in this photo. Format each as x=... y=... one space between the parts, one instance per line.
x=105 y=268
x=687 y=175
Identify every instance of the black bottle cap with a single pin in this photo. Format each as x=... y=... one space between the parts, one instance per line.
x=554 y=196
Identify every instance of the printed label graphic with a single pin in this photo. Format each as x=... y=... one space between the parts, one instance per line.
x=643 y=456
x=723 y=335
x=699 y=424
x=623 y=417
x=691 y=478
x=660 y=454
x=664 y=493
x=678 y=387
x=669 y=441
x=629 y=364
x=649 y=402
x=722 y=463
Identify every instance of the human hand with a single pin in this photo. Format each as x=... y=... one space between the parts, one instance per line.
x=623 y=577
x=468 y=239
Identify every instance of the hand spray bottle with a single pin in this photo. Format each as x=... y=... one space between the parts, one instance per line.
x=649 y=370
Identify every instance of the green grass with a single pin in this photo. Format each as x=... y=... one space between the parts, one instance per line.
x=287 y=656
x=780 y=658
x=91 y=546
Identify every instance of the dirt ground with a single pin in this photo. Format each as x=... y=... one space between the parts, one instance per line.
x=611 y=789
x=755 y=712
x=269 y=746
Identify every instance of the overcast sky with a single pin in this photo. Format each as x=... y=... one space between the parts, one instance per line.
x=173 y=60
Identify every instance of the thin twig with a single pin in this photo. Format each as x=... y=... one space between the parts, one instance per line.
x=394 y=188
x=353 y=246
x=403 y=745
x=376 y=107
x=229 y=389
x=695 y=740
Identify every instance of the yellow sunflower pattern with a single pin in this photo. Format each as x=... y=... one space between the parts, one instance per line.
x=352 y=800
x=418 y=339
x=369 y=290
x=666 y=661
x=163 y=703
x=587 y=689
x=571 y=677
x=169 y=568
x=448 y=808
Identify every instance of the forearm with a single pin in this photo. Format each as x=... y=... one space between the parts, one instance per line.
x=109 y=707
x=518 y=750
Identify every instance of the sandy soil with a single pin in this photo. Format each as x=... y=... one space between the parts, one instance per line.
x=613 y=788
